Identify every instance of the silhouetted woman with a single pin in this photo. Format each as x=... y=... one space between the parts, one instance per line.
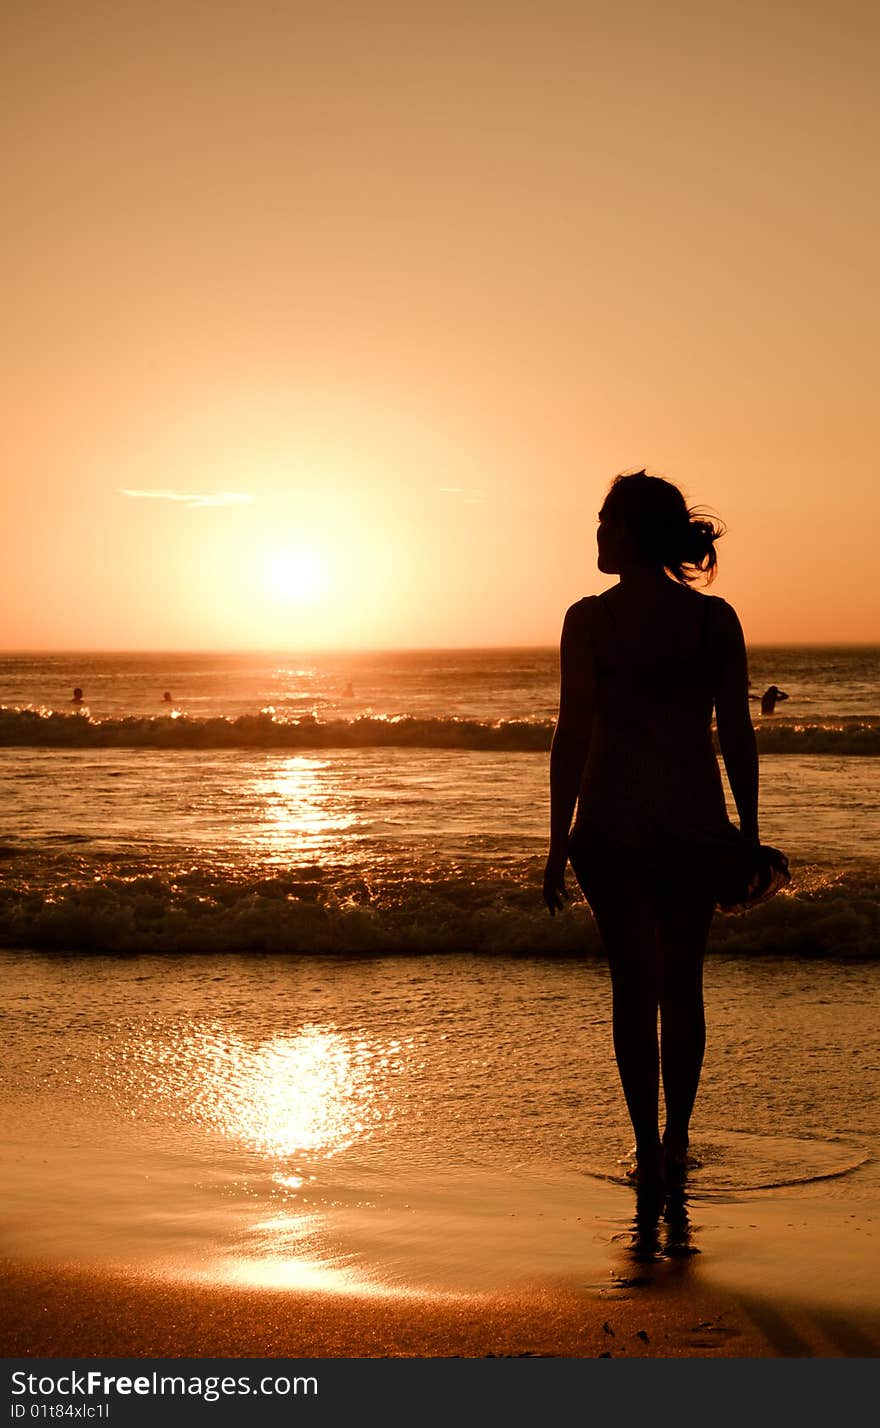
x=642 y=666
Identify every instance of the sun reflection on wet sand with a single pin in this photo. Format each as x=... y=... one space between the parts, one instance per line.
x=285 y=1251
x=290 y=1103
x=312 y=1095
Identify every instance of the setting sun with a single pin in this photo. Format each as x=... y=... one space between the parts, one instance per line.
x=297 y=574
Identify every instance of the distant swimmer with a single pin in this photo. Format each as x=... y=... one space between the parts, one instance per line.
x=348 y=691
x=770 y=698
x=77 y=696
x=166 y=698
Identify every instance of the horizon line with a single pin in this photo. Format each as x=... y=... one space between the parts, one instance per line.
x=377 y=649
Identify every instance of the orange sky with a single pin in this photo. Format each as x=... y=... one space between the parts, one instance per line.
x=416 y=280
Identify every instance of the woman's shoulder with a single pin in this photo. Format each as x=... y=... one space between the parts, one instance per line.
x=716 y=600
x=723 y=626
x=581 y=610
x=577 y=616
x=579 y=627
x=719 y=609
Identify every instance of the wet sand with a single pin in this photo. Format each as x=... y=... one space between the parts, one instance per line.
x=227 y=1159
x=58 y=1311
x=792 y=1275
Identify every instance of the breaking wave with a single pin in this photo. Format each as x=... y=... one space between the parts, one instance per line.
x=265 y=730
x=317 y=912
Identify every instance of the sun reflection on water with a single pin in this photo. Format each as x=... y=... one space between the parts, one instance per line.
x=311 y=1094
x=307 y=1093
x=291 y=1101
x=295 y=811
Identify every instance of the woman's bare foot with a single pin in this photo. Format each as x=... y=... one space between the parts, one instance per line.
x=675 y=1158
x=649 y=1169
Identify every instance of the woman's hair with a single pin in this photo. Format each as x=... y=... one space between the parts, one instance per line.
x=664 y=529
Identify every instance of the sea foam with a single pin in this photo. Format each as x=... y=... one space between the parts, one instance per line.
x=312 y=912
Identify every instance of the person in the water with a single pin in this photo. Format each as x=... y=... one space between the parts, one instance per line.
x=770 y=698
x=166 y=697
x=642 y=666
x=77 y=696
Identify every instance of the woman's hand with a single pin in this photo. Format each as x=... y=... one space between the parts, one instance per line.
x=555 y=895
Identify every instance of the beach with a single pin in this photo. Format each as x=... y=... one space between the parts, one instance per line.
x=279 y=1171
x=61 y=1311
x=791 y=1277
x=296 y=1063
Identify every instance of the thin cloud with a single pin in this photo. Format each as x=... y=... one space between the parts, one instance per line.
x=193 y=499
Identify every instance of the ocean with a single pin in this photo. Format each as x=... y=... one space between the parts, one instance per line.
x=283 y=1007
x=389 y=802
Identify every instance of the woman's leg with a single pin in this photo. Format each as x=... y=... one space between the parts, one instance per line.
x=627 y=927
x=682 y=931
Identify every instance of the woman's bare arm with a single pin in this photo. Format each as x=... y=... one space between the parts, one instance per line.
x=568 y=752
x=736 y=734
